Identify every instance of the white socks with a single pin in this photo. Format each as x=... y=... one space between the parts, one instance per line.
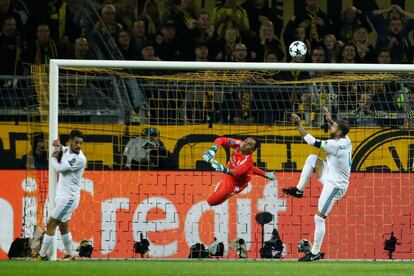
x=319 y=234
x=307 y=171
x=47 y=240
x=67 y=243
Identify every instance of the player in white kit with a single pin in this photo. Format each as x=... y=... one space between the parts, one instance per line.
x=333 y=174
x=70 y=163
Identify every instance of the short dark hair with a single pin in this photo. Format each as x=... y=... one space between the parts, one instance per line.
x=343 y=127
x=76 y=133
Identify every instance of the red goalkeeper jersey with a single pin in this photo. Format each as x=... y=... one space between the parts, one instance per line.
x=240 y=164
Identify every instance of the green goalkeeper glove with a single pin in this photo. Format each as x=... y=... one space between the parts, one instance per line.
x=270 y=175
x=219 y=167
x=208 y=156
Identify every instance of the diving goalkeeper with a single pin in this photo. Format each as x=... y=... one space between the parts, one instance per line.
x=239 y=169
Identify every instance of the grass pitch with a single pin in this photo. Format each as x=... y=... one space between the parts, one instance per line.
x=208 y=267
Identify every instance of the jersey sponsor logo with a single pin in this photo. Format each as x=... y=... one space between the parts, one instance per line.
x=72 y=161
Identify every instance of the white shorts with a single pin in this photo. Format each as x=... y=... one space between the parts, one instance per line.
x=330 y=194
x=64 y=207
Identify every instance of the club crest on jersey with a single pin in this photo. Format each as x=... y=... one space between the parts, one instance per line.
x=71 y=162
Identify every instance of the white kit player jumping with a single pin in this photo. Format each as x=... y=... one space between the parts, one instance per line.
x=70 y=163
x=333 y=174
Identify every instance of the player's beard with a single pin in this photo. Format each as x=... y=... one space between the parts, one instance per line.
x=332 y=135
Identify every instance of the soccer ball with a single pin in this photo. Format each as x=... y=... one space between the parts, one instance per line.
x=304 y=246
x=297 y=48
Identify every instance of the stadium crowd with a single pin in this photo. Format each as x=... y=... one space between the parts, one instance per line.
x=36 y=31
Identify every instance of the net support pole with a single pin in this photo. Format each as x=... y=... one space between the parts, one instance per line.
x=53 y=134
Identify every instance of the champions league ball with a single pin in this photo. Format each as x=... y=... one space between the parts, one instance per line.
x=297 y=48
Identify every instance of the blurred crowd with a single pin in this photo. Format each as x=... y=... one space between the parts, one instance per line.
x=38 y=30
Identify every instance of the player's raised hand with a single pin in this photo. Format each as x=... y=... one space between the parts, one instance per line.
x=270 y=175
x=208 y=156
x=295 y=118
x=56 y=144
x=327 y=112
x=219 y=167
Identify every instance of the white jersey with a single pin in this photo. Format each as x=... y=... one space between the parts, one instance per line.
x=70 y=169
x=339 y=161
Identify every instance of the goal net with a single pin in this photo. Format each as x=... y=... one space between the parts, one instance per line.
x=147 y=125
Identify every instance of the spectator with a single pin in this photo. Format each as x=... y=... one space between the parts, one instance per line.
x=109 y=24
x=270 y=56
x=167 y=44
x=384 y=95
x=11 y=47
x=259 y=12
x=239 y=53
x=201 y=51
x=148 y=52
x=317 y=23
x=7 y=10
x=37 y=158
x=332 y=48
x=267 y=41
x=238 y=107
x=349 y=54
x=185 y=24
x=363 y=111
x=391 y=32
x=80 y=49
x=393 y=12
x=317 y=56
x=308 y=108
x=365 y=50
x=152 y=18
x=225 y=47
x=384 y=56
x=43 y=49
x=230 y=15
x=126 y=14
x=147 y=151
x=139 y=37
x=203 y=30
x=396 y=40
x=124 y=44
x=351 y=18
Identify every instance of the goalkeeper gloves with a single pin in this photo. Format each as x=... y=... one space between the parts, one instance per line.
x=219 y=167
x=208 y=156
x=270 y=175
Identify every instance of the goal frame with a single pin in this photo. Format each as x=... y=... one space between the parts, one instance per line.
x=56 y=64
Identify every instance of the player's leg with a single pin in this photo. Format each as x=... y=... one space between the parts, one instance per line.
x=63 y=210
x=313 y=162
x=328 y=197
x=223 y=192
x=52 y=223
x=65 y=232
x=66 y=240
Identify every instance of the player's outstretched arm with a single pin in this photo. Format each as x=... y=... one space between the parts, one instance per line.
x=296 y=121
x=268 y=175
x=328 y=116
x=309 y=139
x=208 y=155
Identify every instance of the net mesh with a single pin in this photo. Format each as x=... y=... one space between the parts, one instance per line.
x=135 y=185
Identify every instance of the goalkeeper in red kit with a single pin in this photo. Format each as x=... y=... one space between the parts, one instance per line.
x=239 y=169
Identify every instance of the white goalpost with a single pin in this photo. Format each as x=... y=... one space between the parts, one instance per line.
x=57 y=64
